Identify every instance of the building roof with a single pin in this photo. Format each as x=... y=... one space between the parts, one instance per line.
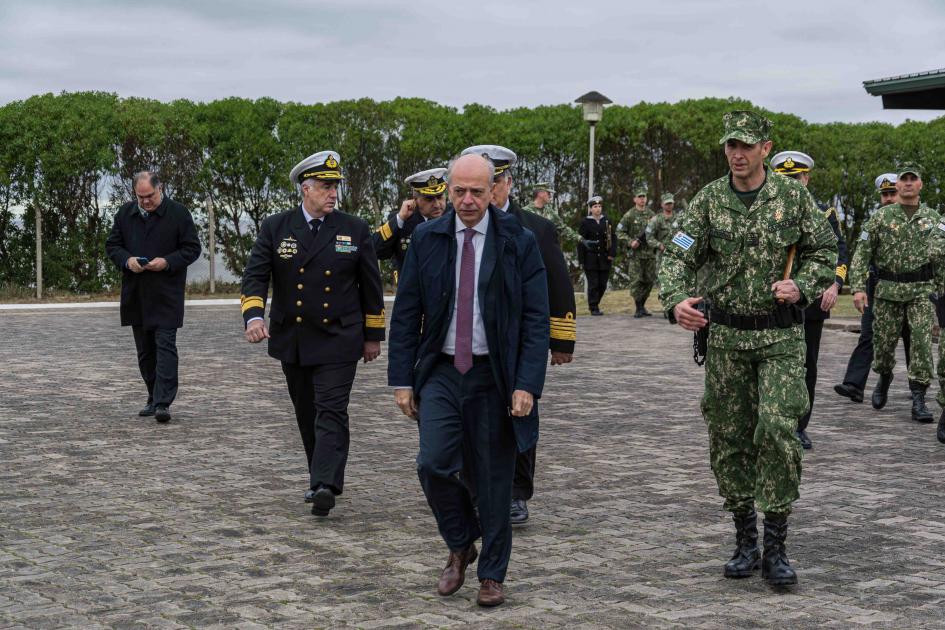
x=920 y=90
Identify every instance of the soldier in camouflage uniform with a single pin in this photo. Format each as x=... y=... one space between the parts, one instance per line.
x=741 y=227
x=542 y=206
x=662 y=226
x=632 y=231
x=896 y=241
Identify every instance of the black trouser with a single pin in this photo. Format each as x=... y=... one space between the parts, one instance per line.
x=813 y=329
x=858 y=368
x=523 y=487
x=157 y=360
x=463 y=418
x=320 y=396
x=596 y=285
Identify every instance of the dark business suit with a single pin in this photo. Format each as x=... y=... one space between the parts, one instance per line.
x=466 y=415
x=152 y=302
x=327 y=301
x=563 y=326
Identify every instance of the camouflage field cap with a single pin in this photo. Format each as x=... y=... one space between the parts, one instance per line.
x=639 y=191
x=910 y=167
x=746 y=126
x=667 y=198
x=543 y=186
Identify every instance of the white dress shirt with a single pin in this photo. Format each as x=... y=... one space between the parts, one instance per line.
x=479 y=344
x=508 y=202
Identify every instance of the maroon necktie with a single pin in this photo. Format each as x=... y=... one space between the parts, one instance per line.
x=463 y=359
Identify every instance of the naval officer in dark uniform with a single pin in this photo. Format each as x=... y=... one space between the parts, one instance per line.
x=798 y=165
x=560 y=300
x=427 y=201
x=326 y=314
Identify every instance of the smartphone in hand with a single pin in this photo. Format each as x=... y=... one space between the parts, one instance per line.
x=143 y=260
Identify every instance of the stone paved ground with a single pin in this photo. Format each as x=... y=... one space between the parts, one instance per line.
x=109 y=520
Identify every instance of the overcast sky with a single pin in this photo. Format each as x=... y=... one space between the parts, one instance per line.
x=809 y=59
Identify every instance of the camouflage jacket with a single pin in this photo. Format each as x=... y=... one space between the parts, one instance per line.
x=566 y=233
x=745 y=251
x=659 y=230
x=890 y=241
x=631 y=226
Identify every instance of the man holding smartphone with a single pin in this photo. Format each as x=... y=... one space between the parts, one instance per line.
x=152 y=241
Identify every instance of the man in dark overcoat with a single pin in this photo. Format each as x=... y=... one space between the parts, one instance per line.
x=152 y=241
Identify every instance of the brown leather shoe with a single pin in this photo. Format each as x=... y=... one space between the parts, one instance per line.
x=490 y=593
x=454 y=574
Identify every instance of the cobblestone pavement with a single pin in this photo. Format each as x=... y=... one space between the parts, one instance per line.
x=110 y=520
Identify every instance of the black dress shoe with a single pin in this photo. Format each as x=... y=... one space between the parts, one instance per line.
x=852 y=392
x=148 y=410
x=596 y=312
x=518 y=514
x=805 y=441
x=309 y=496
x=322 y=501
x=162 y=414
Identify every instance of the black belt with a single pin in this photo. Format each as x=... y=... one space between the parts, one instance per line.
x=755 y=322
x=478 y=359
x=925 y=272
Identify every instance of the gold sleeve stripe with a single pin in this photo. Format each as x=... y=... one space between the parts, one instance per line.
x=842 y=272
x=564 y=328
x=385 y=231
x=564 y=335
x=374 y=321
x=252 y=302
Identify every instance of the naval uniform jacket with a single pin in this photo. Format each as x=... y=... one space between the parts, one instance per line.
x=813 y=311
x=391 y=241
x=327 y=298
x=153 y=299
x=560 y=289
x=600 y=235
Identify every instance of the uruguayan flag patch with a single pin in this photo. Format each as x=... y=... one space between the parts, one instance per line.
x=683 y=240
x=864 y=235
x=941 y=226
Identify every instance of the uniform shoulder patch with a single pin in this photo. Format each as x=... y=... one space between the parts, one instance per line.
x=683 y=240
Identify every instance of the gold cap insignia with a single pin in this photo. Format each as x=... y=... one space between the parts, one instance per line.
x=331 y=162
x=432 y=181
x=789 y=163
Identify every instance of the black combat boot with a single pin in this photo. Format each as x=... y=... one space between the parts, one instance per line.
x=640 y=312
x=775 y=568
x=881 y=393
x=920 y=413
x=746 y=557
x=940 y=434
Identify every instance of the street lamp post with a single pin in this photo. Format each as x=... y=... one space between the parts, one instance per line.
x=593 y=106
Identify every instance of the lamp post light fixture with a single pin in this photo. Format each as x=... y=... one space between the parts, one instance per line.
x=593 y=106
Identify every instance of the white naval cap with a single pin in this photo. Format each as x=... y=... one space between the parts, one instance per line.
x=594 y=200
x=792 y=163
x=430 y=182
x=321 y=165
x=503 y=159
x=887 y=182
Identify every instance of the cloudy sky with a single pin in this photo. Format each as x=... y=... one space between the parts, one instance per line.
x=809 y=59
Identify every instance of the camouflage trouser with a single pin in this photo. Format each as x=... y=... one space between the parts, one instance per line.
x=753 y=401
x=642 y=276
x=888 y=320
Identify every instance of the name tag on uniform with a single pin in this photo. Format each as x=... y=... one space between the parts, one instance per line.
x=343 y=245
x=683 y=240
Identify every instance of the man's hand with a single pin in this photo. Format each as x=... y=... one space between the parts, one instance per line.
x=134 y=266
x=372 y=350
x=786 y=291
x=662 y=247
x=634 y=244
x=156 y=264
x=407 y=209
x=522 y=403
x=560 y=358
x=407 y=403
x=859 y=301
x=256 y=331
x=688 y=317
x=829 y=299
